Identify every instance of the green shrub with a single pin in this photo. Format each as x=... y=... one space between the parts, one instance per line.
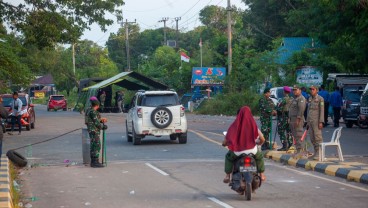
x=229 y=103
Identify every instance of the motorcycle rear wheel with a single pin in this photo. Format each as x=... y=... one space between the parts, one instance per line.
x=362 y=124
x=248 y=192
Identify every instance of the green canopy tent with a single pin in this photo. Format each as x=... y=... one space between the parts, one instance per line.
x=128 y=80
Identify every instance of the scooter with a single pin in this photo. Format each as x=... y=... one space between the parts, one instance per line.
x=363 y=121
x=245 y=178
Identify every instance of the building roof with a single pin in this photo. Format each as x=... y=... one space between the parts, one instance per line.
x=290 y=45
x=44 y=80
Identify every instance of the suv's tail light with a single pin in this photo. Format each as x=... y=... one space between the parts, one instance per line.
x=139 y=112
x=182 y=111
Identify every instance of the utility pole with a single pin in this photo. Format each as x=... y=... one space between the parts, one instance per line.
x=127 y=41
x=73 y=51
x=229 y=49
x=177 y=31
x=164 y=19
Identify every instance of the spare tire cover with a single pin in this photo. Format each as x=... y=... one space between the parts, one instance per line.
x=161 y=117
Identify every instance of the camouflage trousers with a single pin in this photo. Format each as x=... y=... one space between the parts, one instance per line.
x=95 y=144
x=266 y=127
x=283 y=129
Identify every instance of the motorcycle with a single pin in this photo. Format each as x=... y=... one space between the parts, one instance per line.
x=3 y=128
x=362 y=121
x=245 y=178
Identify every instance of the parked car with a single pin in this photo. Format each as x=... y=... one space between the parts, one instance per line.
x=28 y=116
x=156 y=113
x=277 y=93
x=57 y=102
x=351 y=106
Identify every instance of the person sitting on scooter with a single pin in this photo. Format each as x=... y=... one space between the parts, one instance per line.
x=242 y=138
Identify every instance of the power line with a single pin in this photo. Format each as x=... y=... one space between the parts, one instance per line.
x=190 y=8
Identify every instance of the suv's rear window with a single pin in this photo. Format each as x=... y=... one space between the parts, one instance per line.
x=57 y=97
x=354 y=96
x=159 y=100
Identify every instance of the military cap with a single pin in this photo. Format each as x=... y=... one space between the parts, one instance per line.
x=314 y=87
x=287 y=89
x=266 y=90
x=296 y=87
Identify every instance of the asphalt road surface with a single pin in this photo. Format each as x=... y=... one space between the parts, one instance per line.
x=163 y=173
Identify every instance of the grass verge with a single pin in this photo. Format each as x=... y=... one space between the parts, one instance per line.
x=14 y=191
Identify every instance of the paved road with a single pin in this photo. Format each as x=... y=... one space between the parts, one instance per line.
x=163 y=173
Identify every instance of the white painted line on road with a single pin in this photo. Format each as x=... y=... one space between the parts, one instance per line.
x=206 y=138
x=219 y=202
x=322 y=178
x=156 y=169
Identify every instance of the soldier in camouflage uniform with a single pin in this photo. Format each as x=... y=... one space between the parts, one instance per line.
x=94 y=124
x=266 y=109
x=283 y=127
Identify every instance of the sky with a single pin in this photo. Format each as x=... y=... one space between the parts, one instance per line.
x=147 y=14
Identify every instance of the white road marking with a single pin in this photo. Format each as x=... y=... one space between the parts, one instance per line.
x=322 y=178
x=156 y=169
x=219 y=202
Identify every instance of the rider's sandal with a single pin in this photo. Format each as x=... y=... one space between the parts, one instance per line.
x=227 y=179
x=263 y=177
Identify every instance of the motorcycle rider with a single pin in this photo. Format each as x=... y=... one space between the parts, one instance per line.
x=242 y=138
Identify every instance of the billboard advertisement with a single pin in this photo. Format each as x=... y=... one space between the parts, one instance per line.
x=309 y=75
x=208 y=76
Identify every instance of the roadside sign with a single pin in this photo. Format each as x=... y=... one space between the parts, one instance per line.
x=208 y=76
x=309 y=75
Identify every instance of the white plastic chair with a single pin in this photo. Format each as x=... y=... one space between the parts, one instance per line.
x=335 y=141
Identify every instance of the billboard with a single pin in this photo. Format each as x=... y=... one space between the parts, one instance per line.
x=309 y=75
x=208 y=76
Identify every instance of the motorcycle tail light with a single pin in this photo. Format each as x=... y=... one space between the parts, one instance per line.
x=182 y=110
x=139 y=112
x=247 y=161
x=349 y=102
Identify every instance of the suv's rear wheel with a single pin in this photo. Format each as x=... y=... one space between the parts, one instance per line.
x=136 y=140
x=161 y=117
x=129 y=138
x=183 y=138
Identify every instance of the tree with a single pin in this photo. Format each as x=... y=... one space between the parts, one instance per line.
x=341 y=25
x=48 y=22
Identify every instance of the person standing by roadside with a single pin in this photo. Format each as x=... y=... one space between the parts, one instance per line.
x=16 y=106
x=3 y=115
x=120 y=100
x=102 y=100
x=266 y=109
x=315 y=119
x=326 y=97
x=94 y=125
x=336 y=103
x=296 y=116
x=283 y=127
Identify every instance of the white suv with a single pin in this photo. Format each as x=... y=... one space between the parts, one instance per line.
x=156 y=113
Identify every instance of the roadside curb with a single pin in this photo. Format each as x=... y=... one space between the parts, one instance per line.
x=351 y=171
x=5 y=196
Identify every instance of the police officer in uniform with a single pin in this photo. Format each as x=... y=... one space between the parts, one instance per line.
x=283 y=127
x=266 y=109
x=315 y=119
x=94 y=125
x=296 y=116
